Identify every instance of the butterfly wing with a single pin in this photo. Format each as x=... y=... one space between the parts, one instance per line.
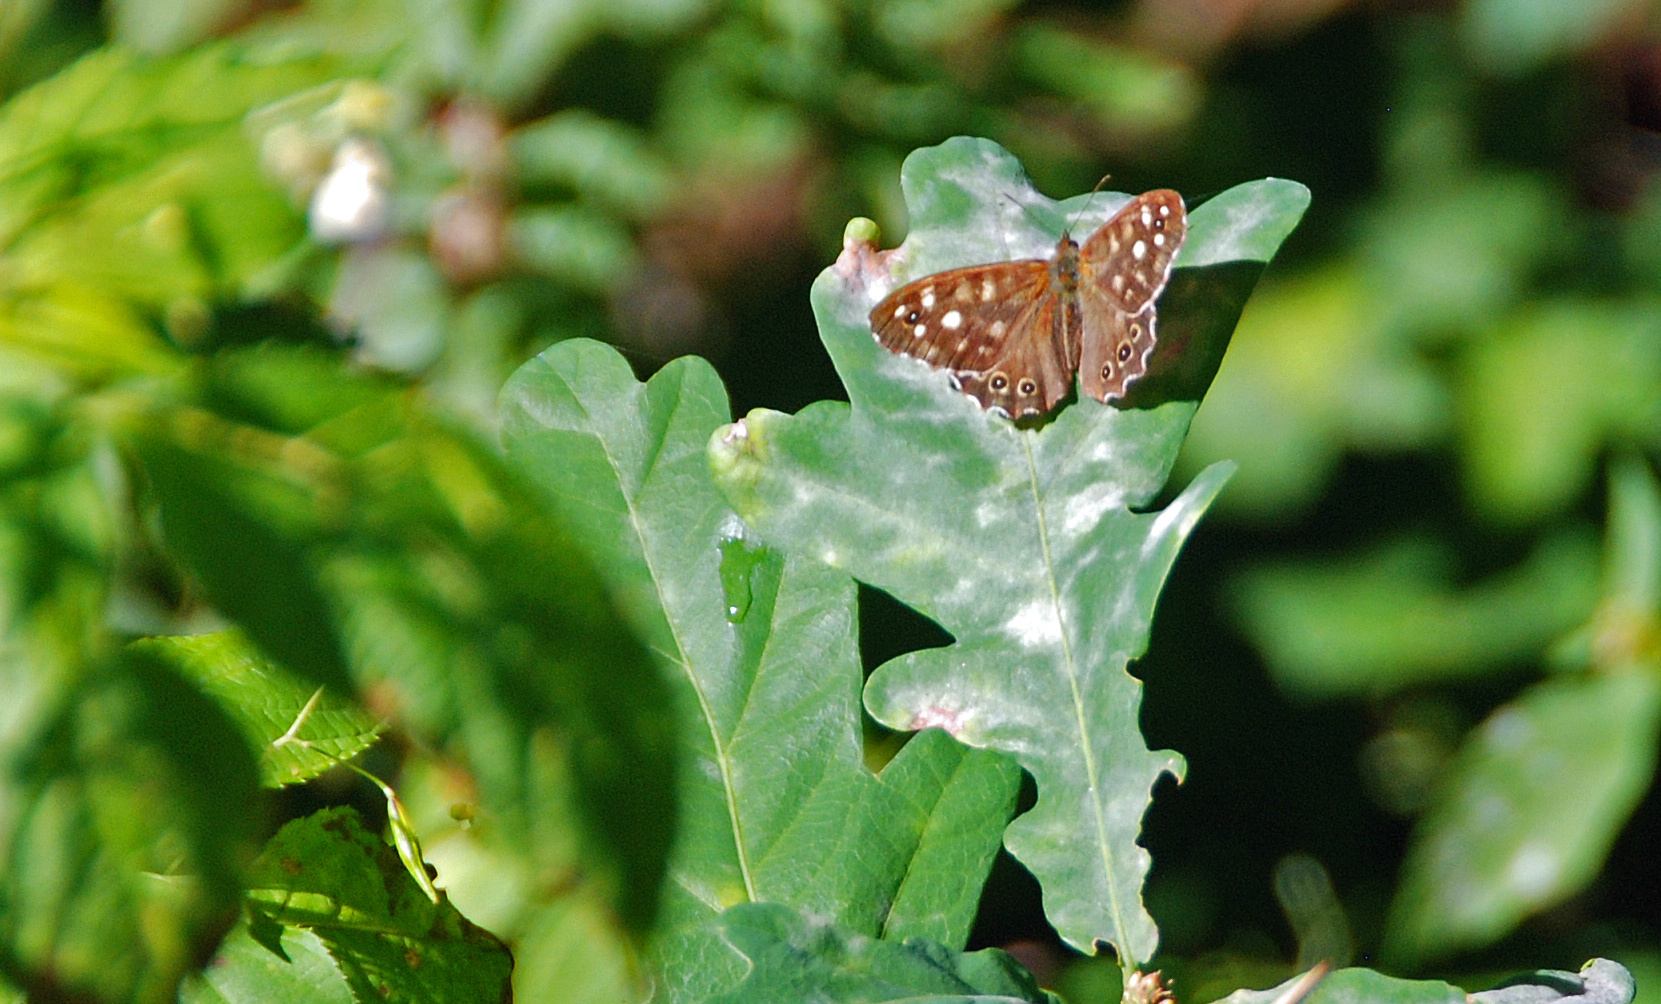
x=1123 y=268
x=995 y=328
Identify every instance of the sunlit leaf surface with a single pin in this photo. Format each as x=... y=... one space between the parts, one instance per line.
x=776 y=803
x=1021 y=543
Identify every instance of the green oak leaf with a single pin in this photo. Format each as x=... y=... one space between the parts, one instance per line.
x=785 y=956
x=776 y=803
x=1023 y=543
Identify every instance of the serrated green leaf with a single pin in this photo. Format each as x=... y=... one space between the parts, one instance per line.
x=423 y=571
x=466 y=607
x=1020 y=543
x=298 y=970
x=110 y=116
x=128 y=809
x=776 y=803
x=780 y=955
x=327 y=874
x=1528 y=811
x=270 y=704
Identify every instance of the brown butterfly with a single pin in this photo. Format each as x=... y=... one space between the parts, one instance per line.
x=1012 y=334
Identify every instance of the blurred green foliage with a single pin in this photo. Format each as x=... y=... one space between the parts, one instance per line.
x=264 y=268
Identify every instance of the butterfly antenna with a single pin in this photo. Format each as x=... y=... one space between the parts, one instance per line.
x=1082 y=209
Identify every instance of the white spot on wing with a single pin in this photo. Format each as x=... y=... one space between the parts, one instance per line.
x=1158 y=240
x=988 y=289
x=1139 y=249
x=1147 y=217
x=952 y=319
x=928 y=298
x=919 y=330
x=899 y=311
x=998 y=328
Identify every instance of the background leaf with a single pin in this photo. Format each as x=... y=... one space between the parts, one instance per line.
x=789 y=957
x=266 y=701
x=130 y=810
x=1022 y=544
x=1392 y=619
x=328 y=875
x=1532 y=802
x=777 y=804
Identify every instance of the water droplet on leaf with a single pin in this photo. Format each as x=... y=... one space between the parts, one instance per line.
x=739 y=557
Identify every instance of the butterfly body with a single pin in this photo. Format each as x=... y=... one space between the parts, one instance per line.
x=1013 y=334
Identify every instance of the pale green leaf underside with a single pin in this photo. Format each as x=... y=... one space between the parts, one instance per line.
x=1357 y=986
x=1528 y=812
x=1021 y=543
x=1600 y=981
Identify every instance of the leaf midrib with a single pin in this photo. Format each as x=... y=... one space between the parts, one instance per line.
x=1080 y=719
x=683 y=660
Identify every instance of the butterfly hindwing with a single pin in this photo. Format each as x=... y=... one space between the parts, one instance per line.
x=1031 y=375
x=1115 y=348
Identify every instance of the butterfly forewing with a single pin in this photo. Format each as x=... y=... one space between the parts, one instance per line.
x=1012 y=334
x=1123 y=267
x=1129 y=258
